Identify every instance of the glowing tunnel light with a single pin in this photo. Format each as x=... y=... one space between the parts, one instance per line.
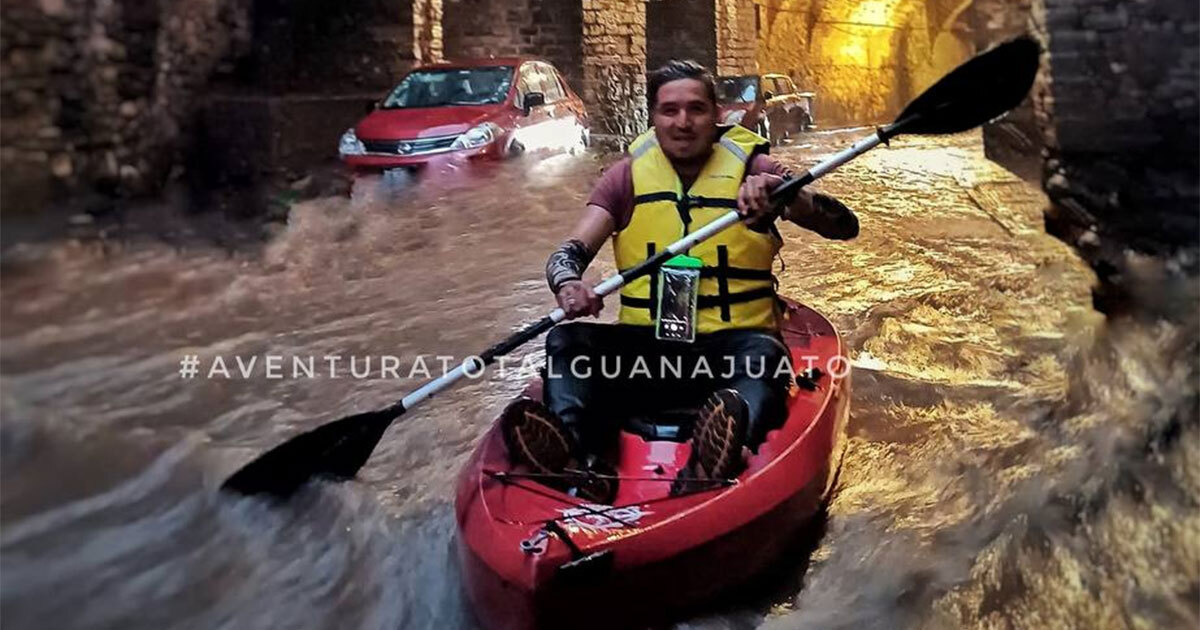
x=862 y=35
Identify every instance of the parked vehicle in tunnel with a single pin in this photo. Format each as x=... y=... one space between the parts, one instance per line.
x=479 y=108
x=769 y=104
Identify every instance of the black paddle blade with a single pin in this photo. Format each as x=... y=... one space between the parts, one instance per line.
x=335 y=450
x=981 y=89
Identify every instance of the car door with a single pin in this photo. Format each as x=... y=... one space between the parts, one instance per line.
x=528 y=126
x=569 y=115
x=560 y=123
x=555 y=107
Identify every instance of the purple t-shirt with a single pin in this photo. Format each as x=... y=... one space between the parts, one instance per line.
x=614 y=191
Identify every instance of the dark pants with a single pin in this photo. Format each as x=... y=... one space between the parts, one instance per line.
x=593 y=406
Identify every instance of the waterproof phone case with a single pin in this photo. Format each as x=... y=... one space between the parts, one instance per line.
x=678 y=287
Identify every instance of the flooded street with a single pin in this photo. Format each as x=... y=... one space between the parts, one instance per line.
x=999 y=472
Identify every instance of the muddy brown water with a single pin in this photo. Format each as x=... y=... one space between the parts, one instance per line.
x=1011 y=459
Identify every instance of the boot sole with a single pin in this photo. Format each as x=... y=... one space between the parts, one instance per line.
x=534 y=438
x=719 y=434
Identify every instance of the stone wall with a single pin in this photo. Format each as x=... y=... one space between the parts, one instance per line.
x=551 y=29
x=737 y=37
x=1015 y=141
x=311 y=73
x=1121 y=127
x=785 y=29
x=428 y=35
x=681 y=29
x=316 y=47
x=614 y=69
x=109 y=95
x=98 y=94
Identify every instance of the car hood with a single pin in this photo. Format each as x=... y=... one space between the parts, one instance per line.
x=422 y=122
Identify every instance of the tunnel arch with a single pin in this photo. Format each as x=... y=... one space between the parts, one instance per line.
x=863 y=58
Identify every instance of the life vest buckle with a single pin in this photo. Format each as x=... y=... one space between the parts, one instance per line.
x=684 y=206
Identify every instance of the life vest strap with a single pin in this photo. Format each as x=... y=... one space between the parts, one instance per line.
x=684 y=205
x=665 y=195
x=712 y=202
x=706 y=301
x=692 y=201
x=732 y=273
x=735 y=273
x=651 y=250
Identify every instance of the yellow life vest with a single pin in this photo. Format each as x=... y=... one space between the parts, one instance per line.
x=736 y=289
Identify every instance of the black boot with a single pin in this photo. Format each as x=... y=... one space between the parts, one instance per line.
x=717 y=440
x=537 y=438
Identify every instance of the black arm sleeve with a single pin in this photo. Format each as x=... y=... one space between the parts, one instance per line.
x=567 y=263
x=830 y=218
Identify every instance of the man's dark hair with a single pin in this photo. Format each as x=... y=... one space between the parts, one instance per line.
x=679 y=69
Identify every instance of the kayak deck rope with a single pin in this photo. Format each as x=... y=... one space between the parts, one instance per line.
x=510 y=480
x=576 y=474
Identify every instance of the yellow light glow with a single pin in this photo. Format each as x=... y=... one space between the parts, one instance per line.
x=853 y=52
x=873 y=12
x=862 y=36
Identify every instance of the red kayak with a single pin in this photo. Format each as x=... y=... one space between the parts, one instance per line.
x=535 y=557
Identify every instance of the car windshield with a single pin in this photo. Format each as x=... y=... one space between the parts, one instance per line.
x=451 y=86
x=737 y=89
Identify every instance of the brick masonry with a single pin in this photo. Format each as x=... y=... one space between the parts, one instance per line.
x=737 y=37
x=1120 y=120
x=551 y=29
x=681 y=29
x=428 y=36
x=614 y=66
x=1016 y=140
x=100 y=94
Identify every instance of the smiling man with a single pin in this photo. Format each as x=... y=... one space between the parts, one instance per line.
x=715 y=307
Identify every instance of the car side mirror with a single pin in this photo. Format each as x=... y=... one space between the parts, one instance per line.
x=768 y=94
x=533 y=99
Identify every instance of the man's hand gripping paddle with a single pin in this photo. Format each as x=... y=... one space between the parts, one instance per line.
x=977 y=91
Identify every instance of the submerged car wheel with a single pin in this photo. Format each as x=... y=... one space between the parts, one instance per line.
x=763 y=128
x=806 y=121
x=584 y=142
x=515 y=149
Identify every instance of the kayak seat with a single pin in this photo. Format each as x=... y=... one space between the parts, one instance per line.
x=671 y=425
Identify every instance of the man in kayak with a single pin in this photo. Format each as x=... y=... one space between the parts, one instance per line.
x=717 y=306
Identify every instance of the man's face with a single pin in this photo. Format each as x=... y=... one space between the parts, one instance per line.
x=685 y=120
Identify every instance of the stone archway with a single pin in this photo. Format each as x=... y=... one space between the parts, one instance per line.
x=863 y=58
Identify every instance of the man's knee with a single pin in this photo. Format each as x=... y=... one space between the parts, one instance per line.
x=763 y=345
x=569 y=339
x=767 y=406
x=759 y=355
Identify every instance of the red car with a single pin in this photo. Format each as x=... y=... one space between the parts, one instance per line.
x=472 y=108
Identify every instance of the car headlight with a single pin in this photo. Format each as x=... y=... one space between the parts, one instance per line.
x=735 y=117
x=350 y=144
x=477 y=136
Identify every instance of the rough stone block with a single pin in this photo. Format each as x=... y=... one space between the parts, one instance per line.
x=1113 y=20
